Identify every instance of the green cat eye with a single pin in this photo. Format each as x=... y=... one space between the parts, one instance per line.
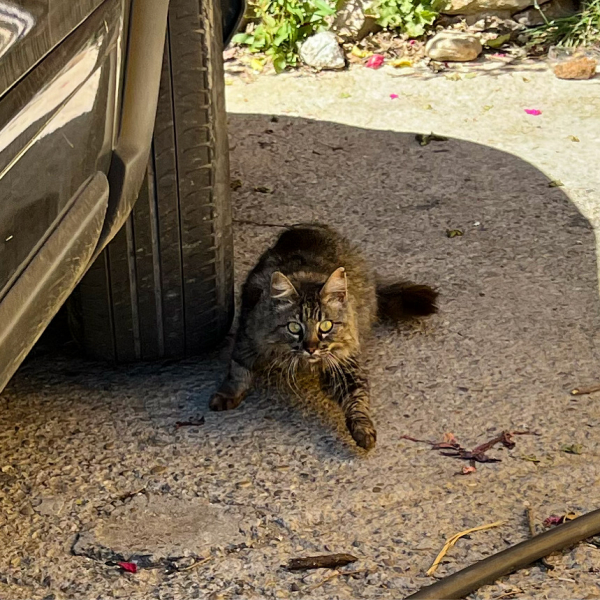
x=325 y=326
x=294 y=327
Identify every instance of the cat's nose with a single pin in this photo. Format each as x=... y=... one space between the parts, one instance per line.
x=310 y=349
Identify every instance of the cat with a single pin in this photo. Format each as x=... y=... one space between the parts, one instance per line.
x=307 y=306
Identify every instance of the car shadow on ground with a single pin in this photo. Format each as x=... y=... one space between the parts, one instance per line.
x=512 y=257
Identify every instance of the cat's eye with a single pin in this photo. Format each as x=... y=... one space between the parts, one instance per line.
x=294 y=327
x=325 y=326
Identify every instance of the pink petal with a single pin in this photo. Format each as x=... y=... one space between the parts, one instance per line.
x=128 y=566
x=498 y=55
x=554 y=520
x=412 y=42
x=394 y=96
x=375 y=61
x=533 y=111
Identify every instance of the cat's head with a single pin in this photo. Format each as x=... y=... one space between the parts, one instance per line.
x=313 y=322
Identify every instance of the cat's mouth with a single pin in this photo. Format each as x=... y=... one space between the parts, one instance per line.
x=313 y=357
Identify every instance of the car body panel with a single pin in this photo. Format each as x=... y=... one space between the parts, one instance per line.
x=147 y=30
x=50 y=276
x=29 y=29
x=58 y=124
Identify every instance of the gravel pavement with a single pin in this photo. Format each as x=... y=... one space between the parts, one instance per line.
x=94 y=469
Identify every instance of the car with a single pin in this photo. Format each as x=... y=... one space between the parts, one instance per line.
x=114 y=176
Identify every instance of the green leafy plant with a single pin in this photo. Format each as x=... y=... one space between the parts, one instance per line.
x=412 y=17
x=581 y=29
x=280 y=26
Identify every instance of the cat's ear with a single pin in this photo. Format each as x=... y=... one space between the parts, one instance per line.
x=281 y=287
x=335 y=287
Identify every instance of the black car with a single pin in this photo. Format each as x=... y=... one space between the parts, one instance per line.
x=114 y=176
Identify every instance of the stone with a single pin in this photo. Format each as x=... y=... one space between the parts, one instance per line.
x=352 y=24
x=577 y=67
x=322 y=51
x=453 y=46
x=555 y=9
x=470 y=7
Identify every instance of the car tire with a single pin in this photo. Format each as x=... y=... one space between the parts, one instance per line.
x=163 y=287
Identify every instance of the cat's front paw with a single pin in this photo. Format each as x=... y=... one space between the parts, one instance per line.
x=363 y=432
x=220 y=402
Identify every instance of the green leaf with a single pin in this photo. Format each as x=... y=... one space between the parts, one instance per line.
x=282 y=34
x=324 y=7
x=280 y=64
x=499 y=41
x=242 y=38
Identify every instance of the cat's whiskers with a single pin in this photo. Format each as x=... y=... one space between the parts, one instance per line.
x=291 y=371
x=337 y=372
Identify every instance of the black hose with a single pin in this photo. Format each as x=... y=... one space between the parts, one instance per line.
x=486 y=571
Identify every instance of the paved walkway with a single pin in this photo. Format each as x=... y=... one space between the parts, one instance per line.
x=93 y=467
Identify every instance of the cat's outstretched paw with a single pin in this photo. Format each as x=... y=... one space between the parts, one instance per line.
x=363 y=432
x=220 y=402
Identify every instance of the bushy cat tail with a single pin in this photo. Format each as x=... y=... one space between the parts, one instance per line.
x=404 y=300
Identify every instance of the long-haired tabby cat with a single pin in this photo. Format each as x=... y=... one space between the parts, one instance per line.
x=307 y=306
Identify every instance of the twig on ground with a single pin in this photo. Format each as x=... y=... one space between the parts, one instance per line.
x=585 y=390
x=327 y=561
x=478 y=454
x=202 y=561
x=452 y=540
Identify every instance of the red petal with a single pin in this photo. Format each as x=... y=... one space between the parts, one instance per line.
x=554 y=520
x=128 y=566
x=375 y=61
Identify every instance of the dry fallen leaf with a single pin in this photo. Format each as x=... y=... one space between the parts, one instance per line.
x=453 y=76
x=256 y=64
x=401 y=63
x=359 y=52
x=572 y=448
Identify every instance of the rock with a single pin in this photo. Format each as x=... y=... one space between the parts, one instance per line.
x=577 y=67
x=322 y=51
x=555 y=9
x=351 y=23
x=470 y=7
x=453 y=46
